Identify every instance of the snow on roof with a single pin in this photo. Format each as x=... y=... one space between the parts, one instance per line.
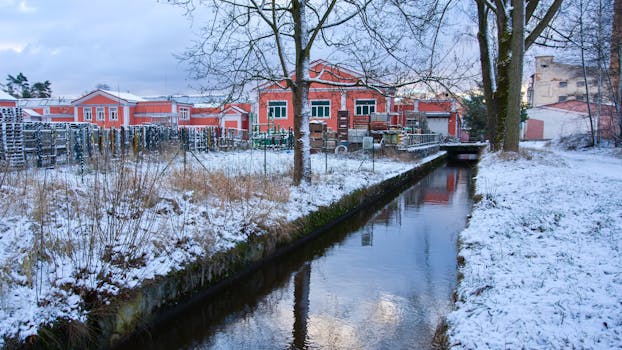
x=43 y=102
x=206 y=105
x=6 y=97
x=125 y=96
x=31 y=112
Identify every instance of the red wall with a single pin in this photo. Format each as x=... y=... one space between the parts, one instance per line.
x=334 y=96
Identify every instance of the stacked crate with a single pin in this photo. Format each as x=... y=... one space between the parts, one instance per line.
x=11 y=133
x=343 y=124
x=316 y=135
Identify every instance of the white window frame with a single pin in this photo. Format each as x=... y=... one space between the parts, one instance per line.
x=88 y=113
x=323 y=107
x=113 y=113
x=184 y=113
x=100 y=113
x=282 y=108
x=362 y=104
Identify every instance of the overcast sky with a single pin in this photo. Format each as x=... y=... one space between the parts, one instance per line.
x=76 y=44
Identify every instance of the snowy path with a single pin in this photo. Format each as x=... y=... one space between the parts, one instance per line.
x=543 y=255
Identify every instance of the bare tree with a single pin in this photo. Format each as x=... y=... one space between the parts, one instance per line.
x=515 y=25
x=584 y=31
x=616 y=61
x=258 y=40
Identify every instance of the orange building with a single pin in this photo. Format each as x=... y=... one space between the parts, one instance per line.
x=110 y=109
x=275 y=107
x=47 y=109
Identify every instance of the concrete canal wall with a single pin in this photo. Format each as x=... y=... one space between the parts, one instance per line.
x=110 y=324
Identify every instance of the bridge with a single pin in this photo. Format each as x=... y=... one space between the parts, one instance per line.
x=472 y=150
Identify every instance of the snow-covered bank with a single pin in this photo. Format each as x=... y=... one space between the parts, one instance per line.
x=542 y=254
x=67 y=235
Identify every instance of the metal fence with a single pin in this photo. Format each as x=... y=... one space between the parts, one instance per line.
x=414 y=140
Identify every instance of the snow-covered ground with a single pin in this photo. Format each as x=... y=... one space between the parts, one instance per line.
x=543 y=254
x=67 y=234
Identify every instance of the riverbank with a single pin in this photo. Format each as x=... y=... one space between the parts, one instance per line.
x=542 y=255
x=74 y=240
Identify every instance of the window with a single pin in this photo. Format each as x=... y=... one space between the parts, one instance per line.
x=99 y=113
x=277 y=109
x=364 y=107
x=46 y=111
x=320 y=109
x=580 y=97
x=580 y=83
x=88 y=113
x=113 y=113
x=184 y=113
x=562 y=98
x=563 y=84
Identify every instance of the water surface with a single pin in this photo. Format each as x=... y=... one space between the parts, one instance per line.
x=382 y=280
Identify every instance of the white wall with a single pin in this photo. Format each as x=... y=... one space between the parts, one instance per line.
x=558 y=122
x=438 y=125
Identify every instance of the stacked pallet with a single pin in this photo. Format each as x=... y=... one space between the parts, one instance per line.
x=316 y=135
x=12 y=138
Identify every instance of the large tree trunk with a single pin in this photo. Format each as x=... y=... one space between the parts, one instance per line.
x=616 y=60
x=302 y=149
x=488 y=75
x=503 y=81
x=515 y=77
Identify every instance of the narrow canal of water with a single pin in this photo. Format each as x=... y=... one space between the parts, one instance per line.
x=382 y=280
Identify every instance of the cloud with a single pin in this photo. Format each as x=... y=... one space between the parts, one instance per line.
x=76 y=44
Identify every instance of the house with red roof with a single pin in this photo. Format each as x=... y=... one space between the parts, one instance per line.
x=343 y=91
x=566 y=118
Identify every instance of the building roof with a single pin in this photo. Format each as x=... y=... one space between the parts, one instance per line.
x=189 y=99
x=43 y=102
x=125 y=96
x=114 y=95
x=31 y=112
x=580 y=107
x=4 y=96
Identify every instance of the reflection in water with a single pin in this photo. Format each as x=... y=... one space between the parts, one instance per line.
x=380 y=281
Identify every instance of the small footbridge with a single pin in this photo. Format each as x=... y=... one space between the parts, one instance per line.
x=463 y=150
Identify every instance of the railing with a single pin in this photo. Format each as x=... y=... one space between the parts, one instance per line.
x=415 y=140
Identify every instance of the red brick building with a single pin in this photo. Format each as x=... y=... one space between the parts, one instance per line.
x=110 y=109
x=441 y=114
x=275 y=108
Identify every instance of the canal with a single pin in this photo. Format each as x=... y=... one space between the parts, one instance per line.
x=381 y=280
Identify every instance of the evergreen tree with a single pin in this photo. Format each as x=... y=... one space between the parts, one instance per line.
x=19 y=87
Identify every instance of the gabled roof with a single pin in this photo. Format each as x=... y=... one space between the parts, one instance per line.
x=346 y=73
x=6 y=97
x=113 y=95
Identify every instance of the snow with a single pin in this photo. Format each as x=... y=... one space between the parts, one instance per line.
x=543 y=254
x=102 y=232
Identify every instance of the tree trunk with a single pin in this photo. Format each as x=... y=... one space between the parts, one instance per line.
x=503 y=84
x=300 y=90
x=487 y=71
x=515 y=77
